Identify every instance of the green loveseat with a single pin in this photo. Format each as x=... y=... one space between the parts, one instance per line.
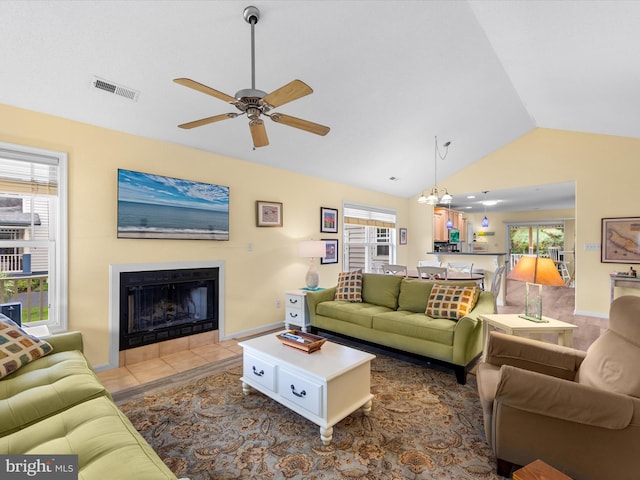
x=392 y=314
x=56 y=405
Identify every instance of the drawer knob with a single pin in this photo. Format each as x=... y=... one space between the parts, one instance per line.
x=257 y=373
x=301 y=394
x=293 y=315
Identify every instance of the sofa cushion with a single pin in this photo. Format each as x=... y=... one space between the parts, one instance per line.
x=414 y=295
x=451 y=301
x=349 y=288
x=45 y=387
x=381 y=289
x=107 y=444
x=17 y=347
x=416 y=325
x=357 y=313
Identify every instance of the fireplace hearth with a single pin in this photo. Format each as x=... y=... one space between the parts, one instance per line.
x=159 y=305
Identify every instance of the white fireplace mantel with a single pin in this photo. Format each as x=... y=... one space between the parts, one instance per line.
x=114 y=298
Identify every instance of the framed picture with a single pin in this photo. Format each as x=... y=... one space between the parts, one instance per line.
x=268 y=214
x=403 y=236
x=155 y=206
x=332 y=251
x=328 y=220
x=620 y=240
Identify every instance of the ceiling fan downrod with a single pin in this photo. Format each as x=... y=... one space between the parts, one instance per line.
x=252 y=15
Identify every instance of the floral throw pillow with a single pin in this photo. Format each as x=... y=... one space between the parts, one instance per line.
x=349 y=287
x=451 y=301
x=17 y=347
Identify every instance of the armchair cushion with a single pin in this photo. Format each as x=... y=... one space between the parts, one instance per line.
x=612 y=360
x=554 y=397
x=529 y=354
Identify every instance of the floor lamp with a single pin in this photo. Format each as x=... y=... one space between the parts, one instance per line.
x=536 y=272
x=311 y=249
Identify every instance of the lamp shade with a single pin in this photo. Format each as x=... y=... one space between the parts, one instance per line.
x=312 y=248
x=533 y=269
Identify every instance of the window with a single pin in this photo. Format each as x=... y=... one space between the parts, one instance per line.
x=33 y=239
x=369 y=237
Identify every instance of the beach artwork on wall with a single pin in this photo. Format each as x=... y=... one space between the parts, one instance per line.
x=155 y=206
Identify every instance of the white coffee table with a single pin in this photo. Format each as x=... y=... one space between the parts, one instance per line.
x=513 y=324
x=324 y=386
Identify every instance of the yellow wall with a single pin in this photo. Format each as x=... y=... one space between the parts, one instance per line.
x=605 y=169
x=254 y=280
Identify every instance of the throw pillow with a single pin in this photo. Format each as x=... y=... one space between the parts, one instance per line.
x=349 y=287
x=451 y=301
x=18 y=348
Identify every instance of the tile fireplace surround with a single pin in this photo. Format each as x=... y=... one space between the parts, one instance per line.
x=119 y=358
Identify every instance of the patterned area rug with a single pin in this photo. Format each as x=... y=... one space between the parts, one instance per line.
x=423 y=425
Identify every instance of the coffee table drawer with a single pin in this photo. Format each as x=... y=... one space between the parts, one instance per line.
x=301 y=391
x=260 y=371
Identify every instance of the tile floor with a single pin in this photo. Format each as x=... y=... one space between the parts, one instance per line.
x=145 y=371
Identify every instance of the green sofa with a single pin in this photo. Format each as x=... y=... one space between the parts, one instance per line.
x=392 y=314
x=56 y=405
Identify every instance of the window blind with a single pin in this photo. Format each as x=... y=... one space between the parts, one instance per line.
x=356 y=214
x=27 y=172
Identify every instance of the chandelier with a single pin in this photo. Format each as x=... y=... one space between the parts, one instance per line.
x=434 y=196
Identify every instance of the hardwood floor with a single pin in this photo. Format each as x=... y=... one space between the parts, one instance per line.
x=557 y=302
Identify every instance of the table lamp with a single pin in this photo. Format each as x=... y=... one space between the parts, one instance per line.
x=311 y=249
x=536 y=272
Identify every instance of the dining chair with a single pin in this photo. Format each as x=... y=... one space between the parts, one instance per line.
x=460 y=267
x=432 y=273
x=496 y=284
x=395 y=269
x=429 y=263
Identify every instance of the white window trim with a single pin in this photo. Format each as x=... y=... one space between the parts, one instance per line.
x=61 y=281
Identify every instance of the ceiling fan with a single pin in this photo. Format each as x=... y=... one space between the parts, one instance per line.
x=255 y=103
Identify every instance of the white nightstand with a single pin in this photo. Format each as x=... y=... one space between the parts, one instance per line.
x=296 y=310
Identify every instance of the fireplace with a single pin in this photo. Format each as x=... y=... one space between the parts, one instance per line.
x=159 y=305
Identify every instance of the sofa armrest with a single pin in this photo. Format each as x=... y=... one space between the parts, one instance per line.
x=563 y=399
x=533 y=355
x=63 y=342
x=319 y=296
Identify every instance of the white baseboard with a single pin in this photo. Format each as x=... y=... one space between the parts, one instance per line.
x=591 y=314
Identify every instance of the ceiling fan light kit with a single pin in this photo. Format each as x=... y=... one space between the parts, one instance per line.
x=255 y=103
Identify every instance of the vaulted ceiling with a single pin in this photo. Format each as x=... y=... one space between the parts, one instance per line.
x=388 y=76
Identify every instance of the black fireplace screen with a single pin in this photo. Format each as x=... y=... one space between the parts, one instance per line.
x=164 y=304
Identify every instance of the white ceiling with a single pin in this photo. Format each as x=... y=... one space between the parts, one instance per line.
x=387 y=76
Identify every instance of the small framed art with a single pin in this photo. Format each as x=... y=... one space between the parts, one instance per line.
x=403 y=236
x=268 y=214
x=620 y=242
x=331 y=255
x=328 y=220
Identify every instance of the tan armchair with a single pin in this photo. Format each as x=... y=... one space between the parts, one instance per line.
x=577 y=411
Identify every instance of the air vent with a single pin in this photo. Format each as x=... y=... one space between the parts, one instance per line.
x=112 y=87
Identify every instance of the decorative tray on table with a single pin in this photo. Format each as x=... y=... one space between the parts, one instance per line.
x=301 y=340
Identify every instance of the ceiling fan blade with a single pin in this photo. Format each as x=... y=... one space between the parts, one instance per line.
x=258 y=133
x=187 y=82
x=288 y=93
x=208 y=120
x=299 y=123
